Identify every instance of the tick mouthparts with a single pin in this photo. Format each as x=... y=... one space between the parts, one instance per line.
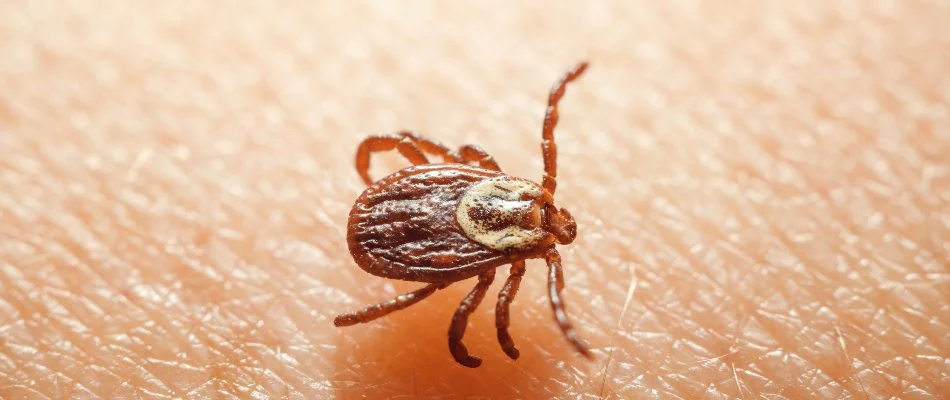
x=561 y=224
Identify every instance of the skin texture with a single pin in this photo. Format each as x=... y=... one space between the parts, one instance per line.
x=762 y=193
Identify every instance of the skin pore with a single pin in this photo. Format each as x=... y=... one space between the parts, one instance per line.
x=761 y=193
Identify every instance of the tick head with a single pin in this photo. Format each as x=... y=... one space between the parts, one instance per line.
x=557 y=221
x=560 y=223
x=507 y=213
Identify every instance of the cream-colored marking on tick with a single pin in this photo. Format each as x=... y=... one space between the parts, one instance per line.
x=504 y=195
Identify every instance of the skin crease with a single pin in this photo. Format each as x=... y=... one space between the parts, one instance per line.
x=762 y=193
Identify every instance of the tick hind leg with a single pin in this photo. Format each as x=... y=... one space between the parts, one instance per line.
x=411 y=145
x=471 y=153
x=379 y=143
x=432 y=147
x=460 y=320
x=367 y=314
x=502 y=319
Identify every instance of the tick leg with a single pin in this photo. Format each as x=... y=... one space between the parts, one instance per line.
x=473 y=153
x=378 y=143
x=555 y=286
x=505 y=297
x=372 y=312
x=460 y=320
x=432 y=147
x=548 y=148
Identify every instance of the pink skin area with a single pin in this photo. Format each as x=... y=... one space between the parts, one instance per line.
x=760 y=189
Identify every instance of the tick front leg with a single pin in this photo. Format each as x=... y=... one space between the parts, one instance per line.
x=472 y=153
x=555 y=286
x=372 y=312
x=505 y=297
x=460 y=320
x=551 y=116
x=374 y=144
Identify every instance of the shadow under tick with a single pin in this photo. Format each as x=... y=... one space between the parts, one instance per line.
x=406 y=355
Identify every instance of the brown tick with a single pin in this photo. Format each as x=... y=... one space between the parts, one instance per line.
x=442 y=223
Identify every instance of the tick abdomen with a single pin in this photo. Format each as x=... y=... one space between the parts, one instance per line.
x=405 y=226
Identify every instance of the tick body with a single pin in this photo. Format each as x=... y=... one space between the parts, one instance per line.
x=440 y=223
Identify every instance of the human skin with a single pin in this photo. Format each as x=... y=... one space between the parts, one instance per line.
x=762 y=192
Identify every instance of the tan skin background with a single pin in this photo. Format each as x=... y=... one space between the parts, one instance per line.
x=762 y=191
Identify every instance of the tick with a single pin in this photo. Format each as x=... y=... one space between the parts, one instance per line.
x=440 y=223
